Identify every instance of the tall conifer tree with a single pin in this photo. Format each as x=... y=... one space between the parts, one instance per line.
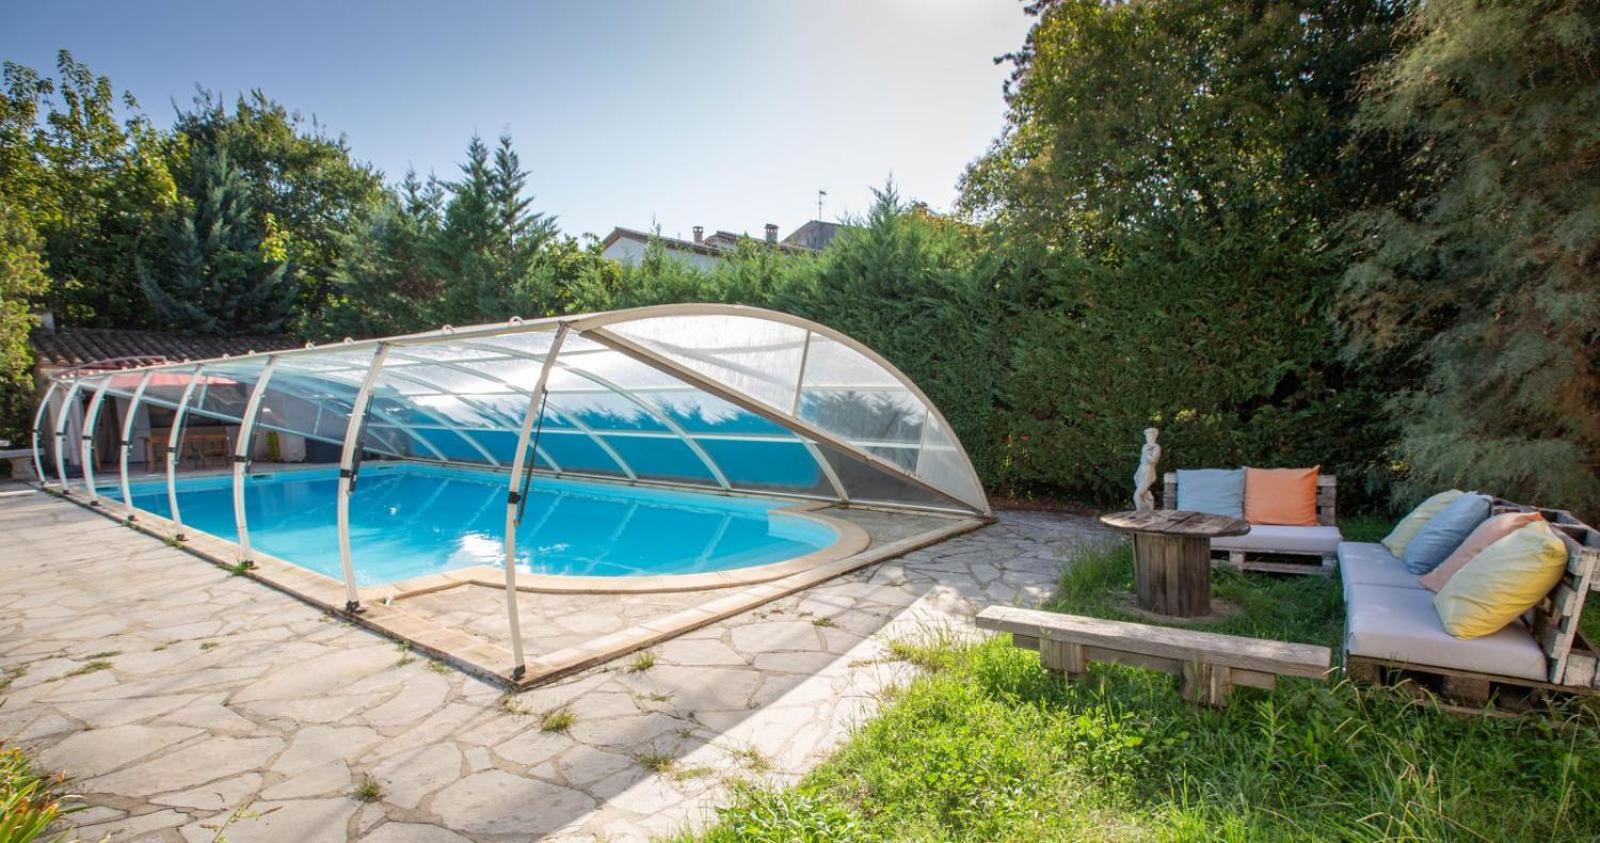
x=222 y=272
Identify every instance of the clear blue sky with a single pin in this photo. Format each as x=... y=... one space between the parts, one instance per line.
x=724 y=114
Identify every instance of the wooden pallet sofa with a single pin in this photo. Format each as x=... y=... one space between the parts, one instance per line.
x=1394 y=634
x=1208 y=665
x=1265 y=547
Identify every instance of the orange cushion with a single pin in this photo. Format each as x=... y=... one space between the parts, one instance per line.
x=1487 y=533
x=1285 y=496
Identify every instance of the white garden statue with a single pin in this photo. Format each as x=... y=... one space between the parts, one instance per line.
x=1145 y=477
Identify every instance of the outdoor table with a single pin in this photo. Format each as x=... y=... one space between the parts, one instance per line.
x=1172 y=556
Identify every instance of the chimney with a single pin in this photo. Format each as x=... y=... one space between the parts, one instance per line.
x=47 y=321
x=772 y=234
x=699 y=234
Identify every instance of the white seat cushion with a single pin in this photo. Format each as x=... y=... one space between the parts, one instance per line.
x=1400 y=624
x=1270 y=538
x=1370 y=563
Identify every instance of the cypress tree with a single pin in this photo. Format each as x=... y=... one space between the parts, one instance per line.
x=223 y=272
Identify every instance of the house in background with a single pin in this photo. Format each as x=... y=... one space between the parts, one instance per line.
x=628 y=245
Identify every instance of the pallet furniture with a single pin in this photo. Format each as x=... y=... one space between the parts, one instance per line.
x=1208 y=665
x=1393 y=636
x=1172 y=556
x=1265 y=548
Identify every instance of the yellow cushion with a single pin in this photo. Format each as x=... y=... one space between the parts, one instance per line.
x=1409 y=526
x=1508 y=578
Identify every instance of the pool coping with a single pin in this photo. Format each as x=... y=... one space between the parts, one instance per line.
x=493 y=662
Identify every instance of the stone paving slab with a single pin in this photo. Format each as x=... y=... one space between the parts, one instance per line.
x=186 y=702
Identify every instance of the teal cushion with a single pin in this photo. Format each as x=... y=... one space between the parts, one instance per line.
x=1445 y=532
x=1216 y=491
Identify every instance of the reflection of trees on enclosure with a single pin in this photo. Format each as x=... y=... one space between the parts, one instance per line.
x=874 y=416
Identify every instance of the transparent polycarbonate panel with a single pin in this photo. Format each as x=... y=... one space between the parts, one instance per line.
x=604 y=411
x=449 y=380
x=850 y=396
x=532 y=344
x=604 y=368
x=755 y=357
x=660 y=458
x=758 y=466
x=167 y=386
x=307 y=404
x=454 y=446
x=866 y=483
x=942 y=463
x=904 y=456
x=509 y=374
x=698 y=412
x=443 y=352
x=866 y=418
x=503 y=445
x=830 y=363
x=304 y=405
x=574 y=451
x=225 y=390
x=441 y=410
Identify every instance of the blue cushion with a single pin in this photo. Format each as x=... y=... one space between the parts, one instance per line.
x=1445 y=532
x=1216 y=491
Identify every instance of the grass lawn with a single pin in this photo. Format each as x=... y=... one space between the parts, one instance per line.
x=987 y=746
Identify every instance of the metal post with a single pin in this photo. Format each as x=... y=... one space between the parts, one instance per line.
x=174 y=450
x=86 y=453
x=514 y=498
x=241 y=455
x=38 y=422
x=61 y=433
x=127 y=442
x=347 y=461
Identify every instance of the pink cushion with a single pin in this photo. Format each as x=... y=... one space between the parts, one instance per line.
x=1487 y=533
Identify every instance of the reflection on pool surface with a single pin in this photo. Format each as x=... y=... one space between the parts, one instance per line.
x=407 y=520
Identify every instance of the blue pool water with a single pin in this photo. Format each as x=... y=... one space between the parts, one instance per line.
x=407 y=520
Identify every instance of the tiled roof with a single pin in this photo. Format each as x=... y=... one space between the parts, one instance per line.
x=69 y=347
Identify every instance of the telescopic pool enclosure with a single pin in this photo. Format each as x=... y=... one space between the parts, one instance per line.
x=720 y=398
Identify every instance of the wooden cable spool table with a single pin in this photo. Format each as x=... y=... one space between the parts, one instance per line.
x=1172 y=556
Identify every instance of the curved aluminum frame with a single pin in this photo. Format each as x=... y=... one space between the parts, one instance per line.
x=594 y=327
x=38 y=422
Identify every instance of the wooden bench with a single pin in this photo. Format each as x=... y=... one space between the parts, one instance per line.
x=1207 y=664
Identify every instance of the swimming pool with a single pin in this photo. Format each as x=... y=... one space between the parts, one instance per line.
x=409 y=520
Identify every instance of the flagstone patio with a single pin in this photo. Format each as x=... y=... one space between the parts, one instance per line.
x=183 y=700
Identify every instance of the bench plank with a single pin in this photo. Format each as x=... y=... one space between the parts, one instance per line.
x=1180 y=645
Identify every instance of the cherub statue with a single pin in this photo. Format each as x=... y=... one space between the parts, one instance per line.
x=1145 y=477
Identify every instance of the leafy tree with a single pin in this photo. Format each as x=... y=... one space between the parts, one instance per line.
x=1165 y=192
x=297 y=174
x=22 y=281
x=1479 y=290
x=224 y=273
x=87 y=183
